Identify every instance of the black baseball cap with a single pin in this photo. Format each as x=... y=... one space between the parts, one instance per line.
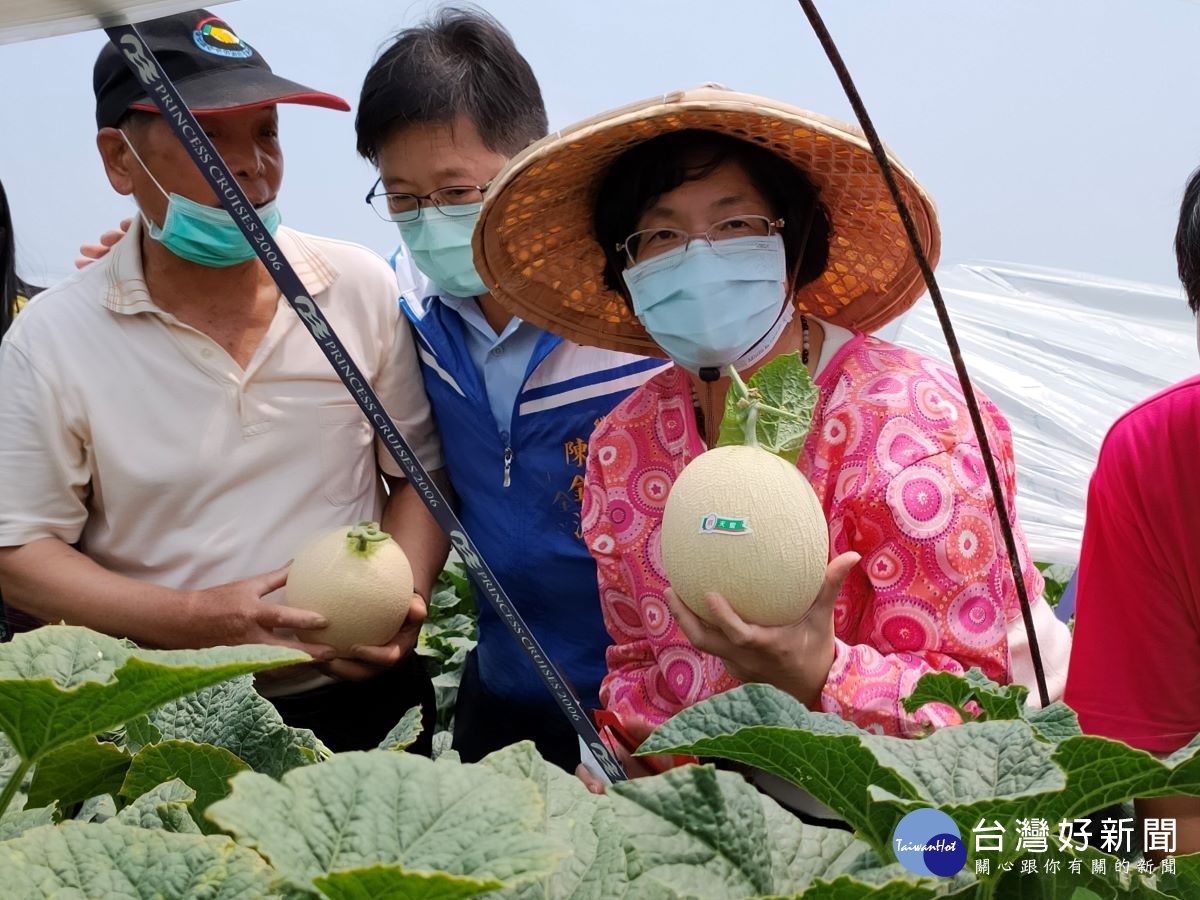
x=213 y=68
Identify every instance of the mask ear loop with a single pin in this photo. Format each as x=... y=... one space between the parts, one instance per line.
x=128 y=143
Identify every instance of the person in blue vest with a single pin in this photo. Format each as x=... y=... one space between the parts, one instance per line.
x=442 y=110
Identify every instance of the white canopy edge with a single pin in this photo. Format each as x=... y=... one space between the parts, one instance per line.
x=27 y=20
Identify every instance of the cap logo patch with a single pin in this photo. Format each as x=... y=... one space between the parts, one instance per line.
x=212 y=35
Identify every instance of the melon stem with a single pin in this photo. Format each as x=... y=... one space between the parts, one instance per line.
x=776 y=411
x=750 y=426
x=751 y=403
x=362 y=535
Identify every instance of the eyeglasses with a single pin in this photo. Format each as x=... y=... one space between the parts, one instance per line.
x=449 y=201
x=651 y=242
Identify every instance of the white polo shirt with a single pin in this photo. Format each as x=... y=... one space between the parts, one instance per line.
x=140 y=439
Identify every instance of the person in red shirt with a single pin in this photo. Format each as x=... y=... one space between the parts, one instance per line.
x=1135 y=661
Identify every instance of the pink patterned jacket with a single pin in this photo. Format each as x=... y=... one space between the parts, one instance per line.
x=898 y=471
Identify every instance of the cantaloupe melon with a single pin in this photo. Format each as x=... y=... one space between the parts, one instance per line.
x=359 y=579
x=746 y=524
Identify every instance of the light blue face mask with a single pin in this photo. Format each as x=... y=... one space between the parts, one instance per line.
x=441 y=248
x=205 y=235
x=708 y=309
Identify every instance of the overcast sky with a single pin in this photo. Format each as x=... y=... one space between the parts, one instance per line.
x=1054 y=132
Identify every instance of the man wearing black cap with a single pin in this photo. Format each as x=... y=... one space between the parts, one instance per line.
x=172 y=433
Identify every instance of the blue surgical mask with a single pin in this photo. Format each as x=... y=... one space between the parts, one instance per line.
x=205 y=235
x=711 y=310
x=441 y=248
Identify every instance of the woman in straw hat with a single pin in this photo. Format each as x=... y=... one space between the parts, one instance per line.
x=719 y=228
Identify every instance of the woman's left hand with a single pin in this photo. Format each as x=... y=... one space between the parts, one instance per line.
x=795 y=658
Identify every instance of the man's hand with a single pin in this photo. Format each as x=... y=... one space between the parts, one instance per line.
x=236 y=613
x=89 y=253
x=795 y=658
x=366 y=661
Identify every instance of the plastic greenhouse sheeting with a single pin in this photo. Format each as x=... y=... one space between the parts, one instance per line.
x=1062 y=354
x=24 y=20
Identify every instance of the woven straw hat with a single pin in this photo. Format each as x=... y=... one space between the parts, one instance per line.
x=536 y=251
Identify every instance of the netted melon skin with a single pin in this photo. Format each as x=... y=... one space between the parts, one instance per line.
x=745 y=524
x=365 y=599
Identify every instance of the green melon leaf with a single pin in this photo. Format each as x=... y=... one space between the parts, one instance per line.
x=847 y=888
x=803 y=854
x=663 y=832
x=233 y=715
x=407 y=730
x=1184 y=882
x=62 y=683
x=382 y=882
x=77 y=771
x=785 y=385
x=1055 y=723
x=1080 y=776
x=14 y=824
x=140 y=732
x=820 y=752
x=15 y=777
x=452 y=593
x=204 y=768
x=995 y=702
x=595 y=868
x=113 y=860
x=743 y=845
x=98 y=809
x=167 y=807
x=361 y=810
x=978 y=771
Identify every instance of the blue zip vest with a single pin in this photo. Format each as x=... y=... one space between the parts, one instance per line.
x=520 y=499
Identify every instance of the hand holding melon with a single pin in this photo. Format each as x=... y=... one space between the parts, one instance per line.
x=359 y=579
x=745 y=543
x=741 y=520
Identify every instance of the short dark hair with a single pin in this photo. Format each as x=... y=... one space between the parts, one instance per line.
x=460 y=62
x=644 y=173
x=1187 y=241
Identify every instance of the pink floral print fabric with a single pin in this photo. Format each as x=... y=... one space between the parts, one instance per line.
x=896 y=466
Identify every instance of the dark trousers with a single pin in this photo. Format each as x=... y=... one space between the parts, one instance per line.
x=484 y=723
x=357 y=715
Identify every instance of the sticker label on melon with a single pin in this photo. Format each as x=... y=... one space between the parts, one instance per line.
x=714 y=524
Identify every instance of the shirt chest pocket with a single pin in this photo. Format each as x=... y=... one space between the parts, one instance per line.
x=347 y=459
